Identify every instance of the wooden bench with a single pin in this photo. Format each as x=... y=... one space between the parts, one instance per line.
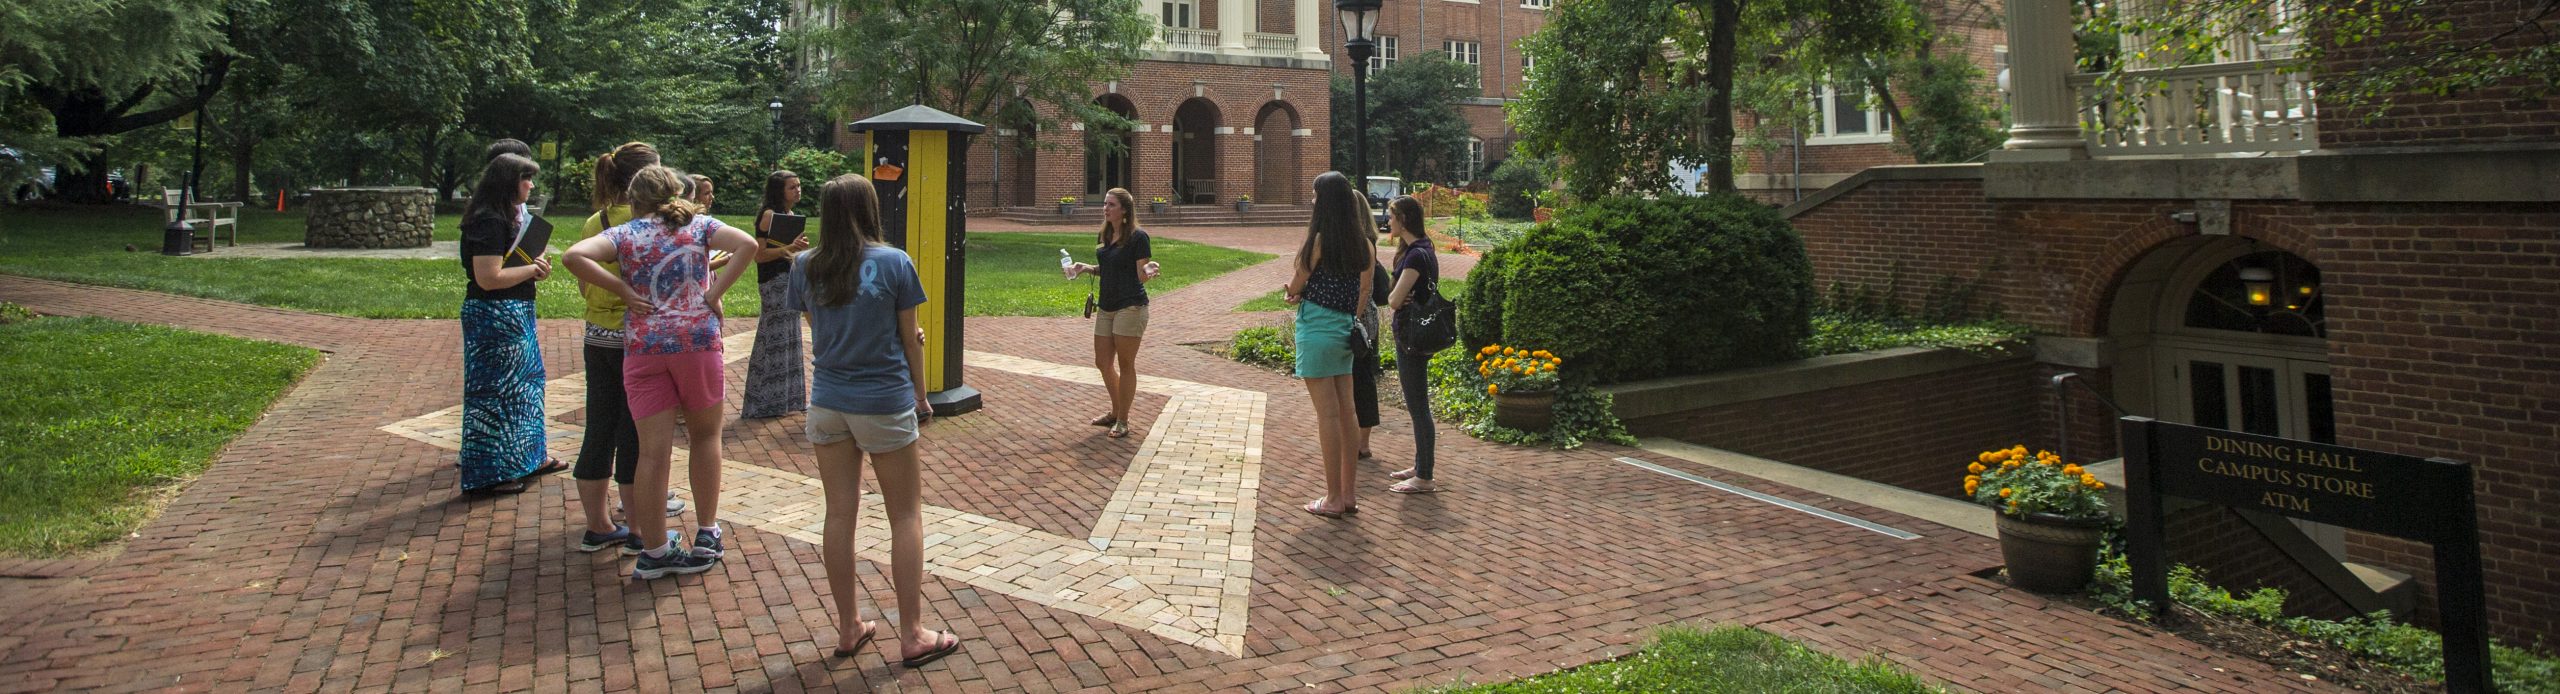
x=207 y=217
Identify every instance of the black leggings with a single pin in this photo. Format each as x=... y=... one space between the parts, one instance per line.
x=1413 y=372
x=613 y=440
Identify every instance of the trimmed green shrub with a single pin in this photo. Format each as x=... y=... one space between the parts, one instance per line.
x=1627 y=288
x=1516 y=184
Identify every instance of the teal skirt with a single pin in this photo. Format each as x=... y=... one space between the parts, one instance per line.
x=1324 y=341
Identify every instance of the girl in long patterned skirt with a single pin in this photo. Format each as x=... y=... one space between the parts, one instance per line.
x=777 y=384
x=502 y=422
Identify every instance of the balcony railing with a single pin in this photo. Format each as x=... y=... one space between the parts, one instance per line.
x=2253 y=106
x=1271 y=44
x=1192 y=40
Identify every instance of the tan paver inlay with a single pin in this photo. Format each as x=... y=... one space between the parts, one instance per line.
x=1172 y=554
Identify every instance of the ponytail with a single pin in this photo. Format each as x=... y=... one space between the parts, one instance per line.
x=657 y=191
x=615 y=169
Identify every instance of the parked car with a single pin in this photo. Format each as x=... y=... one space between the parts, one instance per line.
x=1381 y=190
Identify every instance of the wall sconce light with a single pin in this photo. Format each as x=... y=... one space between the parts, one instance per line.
x=2260 y=284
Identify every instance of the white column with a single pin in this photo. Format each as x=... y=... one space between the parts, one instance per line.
x=1231 y=20
x=2046 y=125
x=1310 y=31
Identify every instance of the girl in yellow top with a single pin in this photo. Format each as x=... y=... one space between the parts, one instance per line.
x=612 y=445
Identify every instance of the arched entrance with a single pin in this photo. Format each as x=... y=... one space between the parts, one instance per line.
x=2231 y=334
x=1195 y=151
x=1109 y=150
x=1275 y=154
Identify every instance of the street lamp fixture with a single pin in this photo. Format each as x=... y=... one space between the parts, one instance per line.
x=776 y=108
x=1359 y=39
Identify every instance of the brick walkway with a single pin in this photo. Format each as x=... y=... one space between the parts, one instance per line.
x=326 y=550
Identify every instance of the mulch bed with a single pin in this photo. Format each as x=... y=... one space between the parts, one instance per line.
x=2305 y=659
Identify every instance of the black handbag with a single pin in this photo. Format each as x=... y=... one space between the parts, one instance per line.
x=1428 y=323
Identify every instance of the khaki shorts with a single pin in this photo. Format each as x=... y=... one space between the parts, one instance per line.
x=1127 y=322
x=875 y=433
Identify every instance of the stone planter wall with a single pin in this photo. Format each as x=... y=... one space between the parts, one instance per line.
x=370 y=218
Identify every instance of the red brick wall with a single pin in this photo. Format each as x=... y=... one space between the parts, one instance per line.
x=1915 y=432
x=1495 y=25
x=2442 y=323
x=1281 y=16
x=2499 y=113
x=1157 y=89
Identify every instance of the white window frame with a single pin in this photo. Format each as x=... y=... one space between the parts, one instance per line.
x=1473 y=161
x=1190 y=13
x=1528 y=64
x=1879 y=132
x=1386 y=56
x=1537 y=4
x=1469 y=52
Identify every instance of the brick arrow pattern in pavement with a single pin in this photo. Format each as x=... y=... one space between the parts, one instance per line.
x=322 y=553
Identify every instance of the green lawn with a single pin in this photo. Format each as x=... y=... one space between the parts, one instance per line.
x=1016 y=274
x=1011 y=274
x=1452 y=288
x=101 y=417
x=1740 y=660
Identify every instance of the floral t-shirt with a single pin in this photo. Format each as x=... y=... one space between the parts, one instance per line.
x=672 y=269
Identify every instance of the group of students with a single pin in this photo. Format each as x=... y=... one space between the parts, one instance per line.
x=652 y=267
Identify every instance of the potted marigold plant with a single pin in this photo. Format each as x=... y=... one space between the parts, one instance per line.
x=1244 y=203
x=1067 y=205
x=2051 y=514
x=1523 y=385
x=1156 y=206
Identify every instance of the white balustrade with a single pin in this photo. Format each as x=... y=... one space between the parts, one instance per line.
x=1271 y=44
x=1191 y=40
x=2253 y=106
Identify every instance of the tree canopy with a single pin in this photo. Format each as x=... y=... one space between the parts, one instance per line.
x=1415 y=128
x=1019 y=63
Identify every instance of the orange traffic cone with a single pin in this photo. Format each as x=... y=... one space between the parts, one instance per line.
x=279 y=199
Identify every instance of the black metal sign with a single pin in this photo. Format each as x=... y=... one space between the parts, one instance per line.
x=2429 y=500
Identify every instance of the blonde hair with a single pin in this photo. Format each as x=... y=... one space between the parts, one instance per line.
x=657 y=190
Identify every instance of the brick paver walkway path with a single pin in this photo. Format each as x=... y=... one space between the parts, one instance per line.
x=326 y=550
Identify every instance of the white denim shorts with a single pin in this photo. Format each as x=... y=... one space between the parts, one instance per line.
x=875 y=433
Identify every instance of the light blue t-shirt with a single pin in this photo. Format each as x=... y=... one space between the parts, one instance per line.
x=859 y=358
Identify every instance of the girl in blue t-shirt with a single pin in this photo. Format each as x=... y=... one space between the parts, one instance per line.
x=867 y=397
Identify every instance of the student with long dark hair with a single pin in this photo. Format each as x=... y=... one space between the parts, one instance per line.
x=1124 y=258
x=1330 y=289
x=502 y=425
x=860 y=296
x=672 y=349
x=775 y=382
x=1417 y=270
x=611 y=450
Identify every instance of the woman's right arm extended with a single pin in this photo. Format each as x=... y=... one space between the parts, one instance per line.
x=1404 y=288
x=586 y=261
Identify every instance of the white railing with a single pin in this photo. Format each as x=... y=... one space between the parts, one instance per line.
x=1272 y=44
x=1193 y=40
x=2253 y=106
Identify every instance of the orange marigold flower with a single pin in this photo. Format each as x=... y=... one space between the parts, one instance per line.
x=1491 y=389
x=2071 y=470
x=2005 y=491
x=1975 y=468
x=2089 y=479
x=1970 y=485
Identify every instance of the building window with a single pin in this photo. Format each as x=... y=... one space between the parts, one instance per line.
x=1469 y=52
x=1528 y=67
x=1473 y=163
x=1386 y=54
x=1843 y=116
x=1537 y=4
x=1177 y=14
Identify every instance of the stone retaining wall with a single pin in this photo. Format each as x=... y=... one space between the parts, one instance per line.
x=370 y=218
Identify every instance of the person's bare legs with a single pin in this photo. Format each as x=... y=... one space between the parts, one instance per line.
x=1332 y=396
x=657 y=453
x=903 y=491
x=1124 y=391
x=702 y=465
x=1107 y=362
x=1345 y=462
x=591 y=495
x=840 y=474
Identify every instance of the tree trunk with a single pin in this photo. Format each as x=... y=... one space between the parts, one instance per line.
x=88 y=186
x=1727 y=15
x=244 y=152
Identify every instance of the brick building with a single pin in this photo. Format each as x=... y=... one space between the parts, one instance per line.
x=2415 y=262
x=1848 y=133
x=1482 y=33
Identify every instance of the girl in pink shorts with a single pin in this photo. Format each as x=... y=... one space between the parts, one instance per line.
x=672 y=352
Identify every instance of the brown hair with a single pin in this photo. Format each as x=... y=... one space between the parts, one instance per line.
x=657 y=191
x=615 y=169
x=848 y=224
x=495 y=195
x=1127 y=222
x=1340 y=228
x=1407 y=213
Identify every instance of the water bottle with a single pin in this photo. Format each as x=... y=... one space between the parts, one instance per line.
x=1066 y=263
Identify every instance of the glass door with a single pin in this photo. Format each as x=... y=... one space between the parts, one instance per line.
x=2258 y=394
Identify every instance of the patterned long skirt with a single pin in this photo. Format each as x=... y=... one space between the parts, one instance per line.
x=776 y=380
x=502 y=427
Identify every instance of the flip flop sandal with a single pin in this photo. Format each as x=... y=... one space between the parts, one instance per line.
x=1407 y=487
x=516 y=486
x=1103 y=421
x=1119 y=430
x=950 y=645
x=869 y=629
x=549 y=466
x=1317 y=507
x=1404 y=474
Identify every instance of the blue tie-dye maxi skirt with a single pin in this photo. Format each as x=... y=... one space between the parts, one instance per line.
x=502 y=427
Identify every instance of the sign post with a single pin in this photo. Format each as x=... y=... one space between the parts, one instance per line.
x=2429 y=500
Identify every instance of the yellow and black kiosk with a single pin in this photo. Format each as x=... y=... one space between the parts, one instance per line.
x=917 y=158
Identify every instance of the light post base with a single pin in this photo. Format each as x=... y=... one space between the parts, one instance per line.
x=179 y=238
x=956 y=401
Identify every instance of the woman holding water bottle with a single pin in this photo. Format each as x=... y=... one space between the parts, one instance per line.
x=1123 y=258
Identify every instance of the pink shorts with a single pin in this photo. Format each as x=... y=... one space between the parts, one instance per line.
x=655 y=383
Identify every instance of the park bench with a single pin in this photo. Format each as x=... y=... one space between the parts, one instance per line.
x=208 y=217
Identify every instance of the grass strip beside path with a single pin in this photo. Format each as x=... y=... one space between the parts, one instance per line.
x=1010 y=274
x=101 y=417
x=1735 y=659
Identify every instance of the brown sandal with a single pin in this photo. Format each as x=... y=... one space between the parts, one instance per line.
x=1103 y=421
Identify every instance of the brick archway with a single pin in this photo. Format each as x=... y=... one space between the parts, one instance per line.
x=1275 y=154
x=2094 y=290
x=1196 y=123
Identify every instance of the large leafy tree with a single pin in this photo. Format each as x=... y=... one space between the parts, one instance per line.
x=2370 y=54
x=74 y=72
x=1415 y=127
x=1011 y=61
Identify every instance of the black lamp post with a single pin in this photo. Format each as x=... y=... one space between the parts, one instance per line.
x=776 y=108
x=179 y=238
x=1359 y=38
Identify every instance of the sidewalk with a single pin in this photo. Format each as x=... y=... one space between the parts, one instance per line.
x=325 y=552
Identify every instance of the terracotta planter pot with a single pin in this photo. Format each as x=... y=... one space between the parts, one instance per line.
x=1530 y=412
x=2047 y=553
